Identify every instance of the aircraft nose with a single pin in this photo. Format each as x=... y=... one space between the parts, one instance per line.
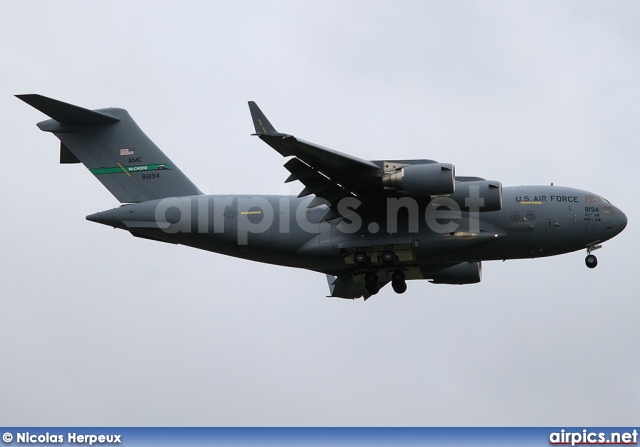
x=617 y=221
x=622 y=219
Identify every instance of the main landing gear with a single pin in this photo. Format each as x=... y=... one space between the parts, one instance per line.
x=371 y=284
x=371 y=280
x=387 y=257
x=398 y=282
x=361 y=260
x=591 y=260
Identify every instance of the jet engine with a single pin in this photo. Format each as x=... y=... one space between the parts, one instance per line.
x=489 y=191
x=463 y=273
x=423 y=179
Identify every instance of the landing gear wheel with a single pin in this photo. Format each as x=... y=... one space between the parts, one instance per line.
x=371 y=283
x=399 y=286
x=371 y=279
x=361 y=260
x=389 y=258
x=372 y=289
x=397 y=276
x=591 y=261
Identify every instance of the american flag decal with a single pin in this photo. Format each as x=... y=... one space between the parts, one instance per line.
x=126 y=152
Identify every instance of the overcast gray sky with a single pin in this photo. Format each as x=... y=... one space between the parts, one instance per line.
x=100 y=328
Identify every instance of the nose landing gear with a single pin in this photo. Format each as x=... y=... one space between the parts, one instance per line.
x=591 y=261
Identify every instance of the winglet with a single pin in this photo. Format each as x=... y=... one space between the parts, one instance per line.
x=260 y=121
x=66 y=113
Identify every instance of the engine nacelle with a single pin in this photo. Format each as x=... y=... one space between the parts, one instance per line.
x=423 y=179
x=463 y=273
x=489 y=191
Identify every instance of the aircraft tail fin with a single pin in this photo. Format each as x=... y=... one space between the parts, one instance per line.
x=114 y=149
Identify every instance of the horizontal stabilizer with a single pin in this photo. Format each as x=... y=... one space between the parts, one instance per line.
x=66 y=113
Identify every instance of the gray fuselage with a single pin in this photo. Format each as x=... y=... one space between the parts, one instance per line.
x=534 y=221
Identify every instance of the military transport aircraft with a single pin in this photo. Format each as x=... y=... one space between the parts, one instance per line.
x=362 y=223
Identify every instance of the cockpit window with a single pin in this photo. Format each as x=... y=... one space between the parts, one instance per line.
x=592 y=198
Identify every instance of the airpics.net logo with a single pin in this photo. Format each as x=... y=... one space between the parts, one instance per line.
x=590 y=437
x=257 y=215
x=70 y=438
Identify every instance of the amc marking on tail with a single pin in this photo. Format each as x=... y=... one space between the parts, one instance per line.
x=128 y=169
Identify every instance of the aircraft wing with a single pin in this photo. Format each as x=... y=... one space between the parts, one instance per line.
x=329 y=174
